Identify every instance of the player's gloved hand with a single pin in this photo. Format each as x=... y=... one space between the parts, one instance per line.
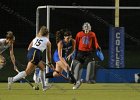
x=99 y=48
x=99 y=54
x=68 y=57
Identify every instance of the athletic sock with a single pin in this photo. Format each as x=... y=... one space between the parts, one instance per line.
x=36 y=75
x=42 y=76
x=19 y=76
x=73 y=80
x=49 y=75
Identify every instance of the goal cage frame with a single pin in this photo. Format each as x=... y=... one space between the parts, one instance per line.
x=49 y=7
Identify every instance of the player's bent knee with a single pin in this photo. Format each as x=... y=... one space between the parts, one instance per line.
x=91 y=63
x=55 y=74
x=76 y=62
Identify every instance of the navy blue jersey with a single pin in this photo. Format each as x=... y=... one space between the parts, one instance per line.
x=67 y=47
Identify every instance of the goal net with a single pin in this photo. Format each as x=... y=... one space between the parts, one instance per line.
x=101 y=19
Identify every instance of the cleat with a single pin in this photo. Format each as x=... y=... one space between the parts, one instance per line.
x=10 y=81
x=47 y=87
x=77 y=85
x=136 y=76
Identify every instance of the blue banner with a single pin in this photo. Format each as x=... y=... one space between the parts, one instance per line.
x=116 y=47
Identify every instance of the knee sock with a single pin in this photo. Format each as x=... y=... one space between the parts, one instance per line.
x=73 y=80
x=42 y=77
x=36 y=77
x=49 y=75
x=19 y=76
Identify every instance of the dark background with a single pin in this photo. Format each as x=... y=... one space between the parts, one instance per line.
x=19 y=16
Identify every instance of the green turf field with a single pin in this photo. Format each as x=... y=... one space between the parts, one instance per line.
x=63 y=91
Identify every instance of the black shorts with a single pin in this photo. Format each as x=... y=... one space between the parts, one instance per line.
x=85 y=56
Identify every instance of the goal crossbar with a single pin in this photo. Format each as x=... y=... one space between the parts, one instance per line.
x=88 y=7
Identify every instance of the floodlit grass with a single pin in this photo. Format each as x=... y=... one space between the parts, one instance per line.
x=63 y=91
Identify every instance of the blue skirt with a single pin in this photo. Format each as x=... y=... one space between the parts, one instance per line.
x=56 y=57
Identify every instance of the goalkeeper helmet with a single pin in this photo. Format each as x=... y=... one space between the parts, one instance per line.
x=86 y=27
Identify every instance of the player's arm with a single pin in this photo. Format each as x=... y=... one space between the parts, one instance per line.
x=30 y=45
x=96 y=42
x=12 y=56
x=99 y=53
x=73 y=49
x=49 y=51
x=49 y=54
x=73 y=46
x=77 y=39
x=60 y=46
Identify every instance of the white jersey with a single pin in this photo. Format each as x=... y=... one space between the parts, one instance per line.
x=40 y=43
x=3 y=45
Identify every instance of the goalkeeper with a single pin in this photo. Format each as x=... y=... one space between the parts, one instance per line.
x=86 y=42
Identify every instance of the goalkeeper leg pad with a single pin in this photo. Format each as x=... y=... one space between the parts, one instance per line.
x=90 y=74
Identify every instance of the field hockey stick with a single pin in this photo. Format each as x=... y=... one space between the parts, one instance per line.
x=72 y=60
x=34 y=87
x=71 y=65
x=4 y=50
x=57 y=71
x=62 y=75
